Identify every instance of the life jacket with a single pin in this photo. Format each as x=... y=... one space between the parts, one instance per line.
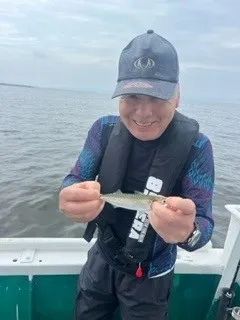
x=171 y=155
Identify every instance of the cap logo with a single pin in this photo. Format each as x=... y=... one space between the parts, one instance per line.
x=144 y=63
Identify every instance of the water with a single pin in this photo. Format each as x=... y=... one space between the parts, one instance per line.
x=41 y=134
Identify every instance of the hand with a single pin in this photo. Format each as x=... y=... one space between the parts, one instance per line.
x=174 y=222
x=81 y=201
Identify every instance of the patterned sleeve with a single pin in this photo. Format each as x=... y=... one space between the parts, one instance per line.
x=198 y=185
x=86 y=166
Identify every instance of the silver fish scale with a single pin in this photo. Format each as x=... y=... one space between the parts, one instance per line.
x=137 y=201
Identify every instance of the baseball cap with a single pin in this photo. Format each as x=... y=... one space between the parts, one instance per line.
x=148 y=65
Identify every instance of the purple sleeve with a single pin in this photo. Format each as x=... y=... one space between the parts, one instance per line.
x=198 y=185
x=87 y=164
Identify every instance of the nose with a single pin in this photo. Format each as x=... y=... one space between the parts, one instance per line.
x=144 y=109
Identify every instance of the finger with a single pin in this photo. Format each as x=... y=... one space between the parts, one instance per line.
x=86 y=216
x=162 y=212
x=78 y=218
x=186 y=206
x=167 y=231
x=89 y=185
x=74 y=208
x=160 y=222
x=159 y=225
x=165 y=218
x=80 y=194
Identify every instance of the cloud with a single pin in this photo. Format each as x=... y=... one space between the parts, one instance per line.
x=88 y=36
x=232 y=44
x=210 y=67
x=12 y=8
x=7 y=30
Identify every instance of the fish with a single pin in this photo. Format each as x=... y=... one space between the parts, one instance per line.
x=132 y=201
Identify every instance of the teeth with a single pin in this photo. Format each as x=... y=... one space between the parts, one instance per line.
x=143 y=124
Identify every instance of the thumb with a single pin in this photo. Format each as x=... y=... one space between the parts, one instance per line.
x=185 y=206
x=89 y=185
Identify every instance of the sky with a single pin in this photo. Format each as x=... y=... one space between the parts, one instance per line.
x=76 y=44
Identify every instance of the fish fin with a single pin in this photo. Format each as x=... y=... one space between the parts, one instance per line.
x=115 y=192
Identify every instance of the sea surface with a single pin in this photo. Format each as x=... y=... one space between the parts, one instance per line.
x=42 y=132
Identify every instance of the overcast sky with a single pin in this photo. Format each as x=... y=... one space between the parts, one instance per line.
x=76 y=44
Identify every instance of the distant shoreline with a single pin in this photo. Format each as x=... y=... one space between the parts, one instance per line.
x=16 y=85
x=188 y=100
x=52 y=88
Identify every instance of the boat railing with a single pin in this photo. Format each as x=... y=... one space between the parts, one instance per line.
x=45 y=255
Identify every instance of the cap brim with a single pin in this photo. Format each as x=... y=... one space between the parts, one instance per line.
x=154 y=88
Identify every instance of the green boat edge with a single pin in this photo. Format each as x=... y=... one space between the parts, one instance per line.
x=38 y=277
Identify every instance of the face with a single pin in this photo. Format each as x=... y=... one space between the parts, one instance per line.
x=146 y=117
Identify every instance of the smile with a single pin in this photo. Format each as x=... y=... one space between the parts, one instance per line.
x=145 y=124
